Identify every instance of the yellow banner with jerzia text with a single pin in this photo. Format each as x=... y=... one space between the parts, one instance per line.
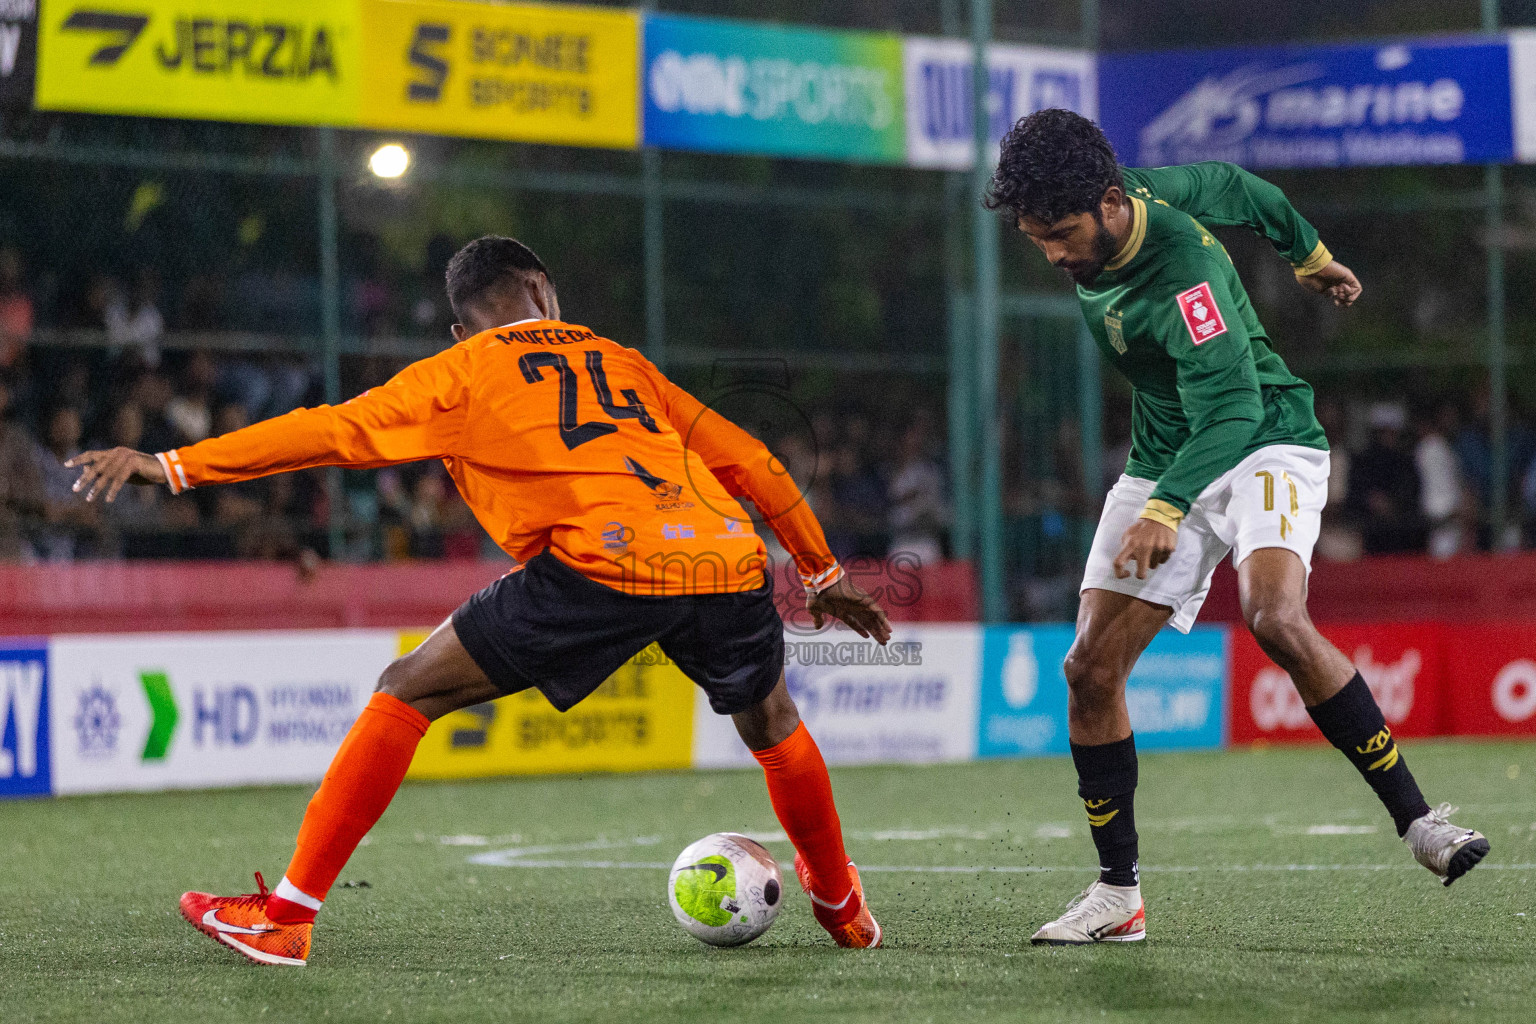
x=271 y=61
x=567 y=75
x=640 y=718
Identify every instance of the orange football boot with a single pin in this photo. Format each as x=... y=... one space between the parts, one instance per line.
x=863 y=932
x=240 y=922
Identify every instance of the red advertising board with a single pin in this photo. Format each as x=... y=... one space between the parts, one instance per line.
x=1492 y=680
x=1403 y=663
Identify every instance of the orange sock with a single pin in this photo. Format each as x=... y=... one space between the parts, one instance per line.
x=358 y=786
x=802 y=798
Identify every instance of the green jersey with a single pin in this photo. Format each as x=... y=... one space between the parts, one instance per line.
x=1171 y=314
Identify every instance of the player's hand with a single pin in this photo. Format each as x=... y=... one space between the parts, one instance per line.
x=106 y=472
x=845 y=601
x=1147 y=543
x=1336 y=281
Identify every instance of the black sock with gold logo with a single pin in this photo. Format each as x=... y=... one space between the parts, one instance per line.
x=1106 y=780
x=1352 y=721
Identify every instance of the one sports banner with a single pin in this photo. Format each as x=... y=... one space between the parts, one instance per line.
x=1176 y=693
x=1404 y=664
x=1418 y=101
x=736 y=87
x=641 y=717
x=566 y=75
x=147 y=711
x=271 y=61
x=1021 y=80
x=18 y=52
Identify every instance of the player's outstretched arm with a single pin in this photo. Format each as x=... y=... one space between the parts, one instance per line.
x=419 y=414
x=105 y=472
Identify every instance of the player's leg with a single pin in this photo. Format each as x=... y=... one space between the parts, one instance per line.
x=801 y=793
x=1113 y=629
x=436 y=678
x=1117 y=619
x=732 y=646
x=1273 y=586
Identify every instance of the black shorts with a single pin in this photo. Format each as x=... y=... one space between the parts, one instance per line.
x=551 y=628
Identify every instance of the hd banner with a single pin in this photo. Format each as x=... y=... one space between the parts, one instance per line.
x=269 y=61
x=1020 y=81
x=147 y=711
x=736 y=87
x=534 y=73
x=1423 y=101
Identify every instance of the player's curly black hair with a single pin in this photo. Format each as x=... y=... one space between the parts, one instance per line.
x=1054 y=163
x=484 y=263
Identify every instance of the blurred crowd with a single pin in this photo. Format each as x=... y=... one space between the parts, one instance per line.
x=1405 y=477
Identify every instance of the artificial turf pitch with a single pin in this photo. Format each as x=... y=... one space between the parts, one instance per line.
x=1275 y=887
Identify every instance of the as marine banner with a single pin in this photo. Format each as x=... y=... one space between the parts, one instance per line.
x=270 y=61
x=563 y=75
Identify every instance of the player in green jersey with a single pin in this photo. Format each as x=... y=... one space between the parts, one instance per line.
x=1226 y=455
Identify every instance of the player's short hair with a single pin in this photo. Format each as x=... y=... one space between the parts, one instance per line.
x=485 y=263
x=1054 y=163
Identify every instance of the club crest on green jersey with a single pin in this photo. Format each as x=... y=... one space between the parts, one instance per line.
x=1114 y=328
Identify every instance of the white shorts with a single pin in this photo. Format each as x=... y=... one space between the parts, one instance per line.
x=1272 y=499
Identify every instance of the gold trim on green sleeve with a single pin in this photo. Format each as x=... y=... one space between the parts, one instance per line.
x=1138 y=234
x=1319 y=259
x=1160 y=511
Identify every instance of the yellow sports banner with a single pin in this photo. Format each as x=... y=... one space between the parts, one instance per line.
x=274 y=61
x=641 y=717
x=565 y=75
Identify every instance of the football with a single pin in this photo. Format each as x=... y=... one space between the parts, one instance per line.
x=725 y=889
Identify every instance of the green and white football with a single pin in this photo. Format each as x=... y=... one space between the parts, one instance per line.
x=725 y=889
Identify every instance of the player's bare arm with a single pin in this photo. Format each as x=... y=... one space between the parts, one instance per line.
x=845 y=601
x=105 y=472
x=1336 y=281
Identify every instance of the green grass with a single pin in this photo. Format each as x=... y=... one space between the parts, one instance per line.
x=89 y=929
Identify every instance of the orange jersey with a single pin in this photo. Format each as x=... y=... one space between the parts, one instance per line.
x=557 y=439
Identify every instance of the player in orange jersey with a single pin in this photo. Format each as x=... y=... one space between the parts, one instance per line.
x=617 y=492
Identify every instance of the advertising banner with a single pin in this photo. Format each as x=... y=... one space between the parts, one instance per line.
x=1492 y=680
x=640 y=718
x=191 y=710
x=18 y=51
x=911 y=701
x=735 y=87
x=1404 y=664
x=1175 y=693
x=273 y=61
x=1431 y=101
x=25 y=751
x=1522 y=88
x=1021 y=80
x=566 y=75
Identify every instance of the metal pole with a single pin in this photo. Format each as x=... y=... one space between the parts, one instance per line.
x=1498 y=357
x=961 y=397
x=330 y=321
x=1090 y=392
x=655 y=268
x=994 y=605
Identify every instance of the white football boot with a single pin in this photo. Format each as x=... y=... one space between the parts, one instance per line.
x=1104 y=913
x=1450 y=851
